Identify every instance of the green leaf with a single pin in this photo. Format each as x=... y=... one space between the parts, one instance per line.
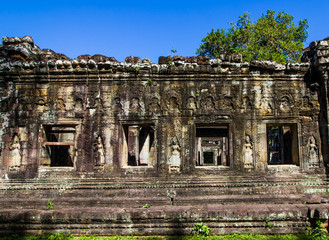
x=271 y=37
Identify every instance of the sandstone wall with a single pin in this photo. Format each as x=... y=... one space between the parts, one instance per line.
x=114 y=115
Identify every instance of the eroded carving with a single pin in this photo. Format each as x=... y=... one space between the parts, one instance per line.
x=78 y=104
x=285 y=105
x=15 y=152
x=175 y=159
x=191 y=103
x=246 y=103
x=313 y=152
x=175 y=152
x=99 y=153
x=135 y=106
x=248 y=152
x=209 y=103
x=154 y=106
x=173 y=106
x=117 y=106
x=60 y=106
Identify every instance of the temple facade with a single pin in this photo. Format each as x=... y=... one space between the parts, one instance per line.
x=190 y=120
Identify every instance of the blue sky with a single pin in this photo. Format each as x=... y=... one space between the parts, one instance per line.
x=147 y=29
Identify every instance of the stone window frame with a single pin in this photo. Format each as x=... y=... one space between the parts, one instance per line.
x=229 y=156
x=124 y=144
x=45 y=143
x=297 y=138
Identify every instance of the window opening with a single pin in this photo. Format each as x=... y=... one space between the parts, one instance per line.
x=60 y=145
x=140 y=142
x=282 y=147
x=212 y=146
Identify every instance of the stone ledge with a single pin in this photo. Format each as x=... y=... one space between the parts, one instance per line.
x=285 y=218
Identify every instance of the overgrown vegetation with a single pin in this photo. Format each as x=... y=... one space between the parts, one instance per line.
x=50 y=205
x=146 y=206
x=271 y=37
x=317 y=231
x=269 y=224
x=201 y=229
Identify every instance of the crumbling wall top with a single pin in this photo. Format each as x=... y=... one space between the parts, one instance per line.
x=21 y=54
x=317 y=53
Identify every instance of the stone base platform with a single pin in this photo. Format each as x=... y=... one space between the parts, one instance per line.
x=241 y=204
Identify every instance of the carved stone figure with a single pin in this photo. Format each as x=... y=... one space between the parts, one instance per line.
x=99 y=152
x=117 y=106
x=266 y=105
x=15 y=152
x=191 y=103
x=228 y=103
x=175 y=153
x=21 y=105
x=209 y=103
x=173 y=106
x=78 y=104
x=72 y=152
x=41 y=105
x=60 y=106
x=154 y=106
x=285 y=105
x=134 y=105
x=246 y=104
x=98 y=104
x=313 y=152
x=248 y=153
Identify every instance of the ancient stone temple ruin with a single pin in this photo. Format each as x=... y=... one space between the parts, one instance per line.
x=97 y=146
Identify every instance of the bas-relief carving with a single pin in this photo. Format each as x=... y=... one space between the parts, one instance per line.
x=15 y=152
x=191 y=103
x=313 y=155
x=175 y=160
x=60 y=106
x=72 y=152
x=23 y=105
x=266 y=105
x=78 y=104
x=154 y=106
x=265 y=101
x=248 y=152
x=208 y=103
x=173 y=106
x=98 y=104
x=228 y=103
x=41 y=105
x=246 y=104
x=117 y=106
x=135 y=106
x=99 y=153
x=285 y=105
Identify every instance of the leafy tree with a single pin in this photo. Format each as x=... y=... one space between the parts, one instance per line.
x=271 y=37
